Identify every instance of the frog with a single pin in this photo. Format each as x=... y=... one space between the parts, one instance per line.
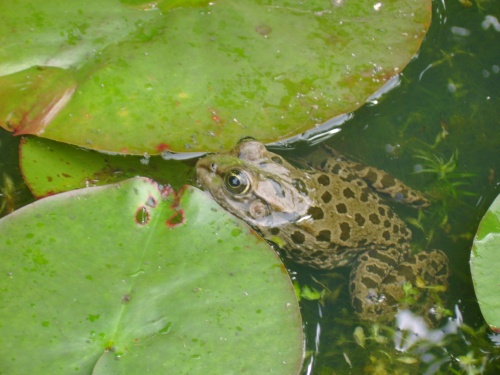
x=327 y=215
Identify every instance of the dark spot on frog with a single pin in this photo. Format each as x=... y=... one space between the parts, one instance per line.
x=374 y=269
x=326 y=197
x=300 y=186
x=317 y=254
x=371 y=176
x=274 y=231
x=381 y=210
x=363 y=242
x=352 y=287
x=385 y=258
x=324 y=236
x=348 y=193
x=386 y=235
x=421 y=257
x=277 y=160
x=388 y=180
x=359 y=219
x=298 y=237
x=374 y=219
x=357 y=303
x=345 y=229
x=443 y=271
x=341 y=208
x=280 y=192
x=406 y=270
x=316 y=213
x=364 y=197
x=370 y=283
x=351 y=177
x=324 y=180
x=387 y=223
x=390 y=214
x=395 y=229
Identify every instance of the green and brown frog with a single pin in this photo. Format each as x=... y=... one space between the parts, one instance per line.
x=327 y=217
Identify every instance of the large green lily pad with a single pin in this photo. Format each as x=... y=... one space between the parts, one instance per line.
x=127 y=279
x=484 y=264
x=134 y=76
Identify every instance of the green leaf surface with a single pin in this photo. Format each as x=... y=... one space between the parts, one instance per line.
x=50 y=167
x=485 y=262
x=196 y=75
x=127 y=279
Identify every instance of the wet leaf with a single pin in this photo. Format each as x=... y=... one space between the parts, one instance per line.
x=135 y=76
x=50 y=167
x=485 y=262
x=102 y=281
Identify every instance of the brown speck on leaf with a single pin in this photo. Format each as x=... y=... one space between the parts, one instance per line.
x=263 y=30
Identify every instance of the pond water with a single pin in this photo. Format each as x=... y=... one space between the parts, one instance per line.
x=445 y=107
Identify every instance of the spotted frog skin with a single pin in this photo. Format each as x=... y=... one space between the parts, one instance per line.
x=325 y=218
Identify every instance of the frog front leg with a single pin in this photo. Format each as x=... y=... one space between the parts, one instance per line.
x=369 y=271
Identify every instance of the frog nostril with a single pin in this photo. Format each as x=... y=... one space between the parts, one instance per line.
x=213 y=167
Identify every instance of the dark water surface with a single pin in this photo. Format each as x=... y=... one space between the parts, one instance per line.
x=446 y=108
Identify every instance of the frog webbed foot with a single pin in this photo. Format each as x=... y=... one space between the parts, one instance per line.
x=411 y=284
x=368 y=274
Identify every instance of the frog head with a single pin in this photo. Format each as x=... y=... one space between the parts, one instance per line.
x=254 y=184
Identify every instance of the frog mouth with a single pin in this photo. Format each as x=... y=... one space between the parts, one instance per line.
x=204 y=176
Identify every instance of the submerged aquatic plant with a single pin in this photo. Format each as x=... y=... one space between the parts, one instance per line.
x=443 y=169
x=413 y=346
x=445 y=189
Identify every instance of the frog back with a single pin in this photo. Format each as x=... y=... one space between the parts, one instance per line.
x=342 y=220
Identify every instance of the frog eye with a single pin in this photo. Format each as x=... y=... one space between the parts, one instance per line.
x=237 y=182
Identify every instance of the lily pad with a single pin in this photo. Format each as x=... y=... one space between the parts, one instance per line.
x=195 y=75
x=485 y=262
x=50 y=167
x=128 y=278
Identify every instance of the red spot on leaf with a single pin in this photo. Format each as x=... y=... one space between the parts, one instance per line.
x=162 y=147
x=176 y=219
x=215 y=116
x=283 y=269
